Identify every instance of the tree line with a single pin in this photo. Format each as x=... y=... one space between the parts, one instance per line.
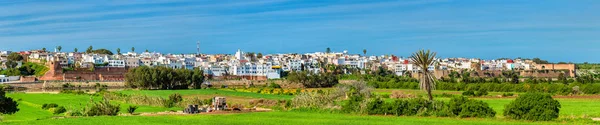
x=160 y=77
x=313 y=80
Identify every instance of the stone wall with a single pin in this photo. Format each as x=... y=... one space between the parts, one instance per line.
x=570 y=68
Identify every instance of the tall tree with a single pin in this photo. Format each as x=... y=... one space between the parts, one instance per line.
x=328 y=50
x=89 y=49
x=11 y=64
x=259 y=55
x=118 y=51
x=75 y=50
x=365 y=52
x=59 y=48
x=14 y=57
x=7 y=104
x=147 y=50
x=44 y=49
x=132 y=49
x=423 y=59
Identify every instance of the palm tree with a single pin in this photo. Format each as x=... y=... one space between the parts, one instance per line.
x=132 y=49
x=119 y=51
x=365 y=52
x=75 y=50
x=328 y=50
x=89 y=49
x=423 y=59
x=59 y=48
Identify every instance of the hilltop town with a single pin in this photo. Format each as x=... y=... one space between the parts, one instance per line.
x=104 y=65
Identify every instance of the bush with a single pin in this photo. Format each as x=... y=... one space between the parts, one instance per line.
x=48 y=106
x=60 y=110
x=464 y=107
x=131 y=109
x=507 y=94
x=533 y=106
x=481 y=93
x=468 y=93
x=102 y=108
x=273 y=85
x=175 y=97
x=74 y=113
x=378 y=106
x=476 y=108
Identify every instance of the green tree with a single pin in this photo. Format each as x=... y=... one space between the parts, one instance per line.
x=365 y=52
x=540 y=61
x=328 y=50
x=102 y=51
x=11 y=64
x=147 y=50
x=259 y=55
x=89 y=49
x=132 y=49
x=7 y=104
x=44 y=49
x=15 y=57
x=59 y=48
x=75 y=50
x=119 y=51
x=424 y=59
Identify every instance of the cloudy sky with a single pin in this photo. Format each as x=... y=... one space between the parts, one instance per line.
x=556 y=30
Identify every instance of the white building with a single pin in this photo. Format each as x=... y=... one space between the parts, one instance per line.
x=5 y=79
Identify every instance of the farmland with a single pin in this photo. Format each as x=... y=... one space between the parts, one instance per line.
x=573 y=110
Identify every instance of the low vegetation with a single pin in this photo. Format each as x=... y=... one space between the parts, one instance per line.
x=533 y=106
x=102 y=108
x=145 y=77
x=312 y=80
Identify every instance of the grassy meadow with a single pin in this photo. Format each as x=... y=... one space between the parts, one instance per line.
x=572 y=111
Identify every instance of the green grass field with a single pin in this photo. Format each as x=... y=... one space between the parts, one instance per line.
x=31 y=112
x=31 y=105
x=279 y=118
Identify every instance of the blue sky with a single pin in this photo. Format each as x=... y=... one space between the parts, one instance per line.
x=556 y=30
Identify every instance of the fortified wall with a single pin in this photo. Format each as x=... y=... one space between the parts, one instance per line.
x=56 y=73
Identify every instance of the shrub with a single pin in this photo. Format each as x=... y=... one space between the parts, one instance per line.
x=175 y=97
x=464 y=107
x=416 y=105
x=353 y=104
x=533 y=106
x=507 y=94
x=377 y=106
x=468 y=93
x=481 y=93
x=73 y=113
x=102 y=108
x=131 y=109
x=168 y=103
x=273 y=85
x=455 y=104
x=476 y=108
x=398 y=107
x=48 y=106
x=60 y=110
